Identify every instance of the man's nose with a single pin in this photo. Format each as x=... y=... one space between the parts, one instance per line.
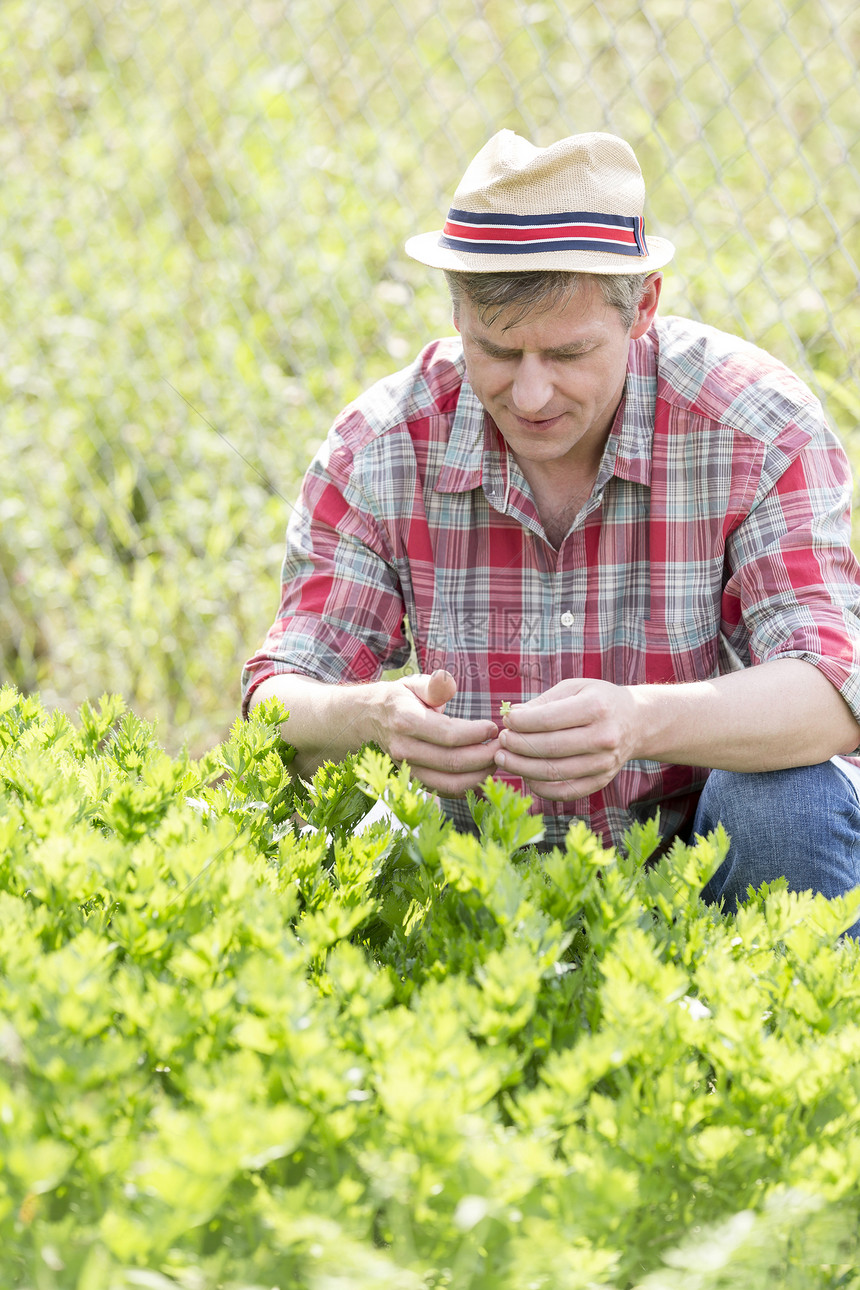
x=532 y=388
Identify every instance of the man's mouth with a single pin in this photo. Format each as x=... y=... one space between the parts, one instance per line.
x=539 y=423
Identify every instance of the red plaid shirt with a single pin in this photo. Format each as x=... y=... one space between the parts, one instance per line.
x=716 y=537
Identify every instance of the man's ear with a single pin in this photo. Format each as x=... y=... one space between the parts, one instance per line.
x=648 y=303
x=455 y=317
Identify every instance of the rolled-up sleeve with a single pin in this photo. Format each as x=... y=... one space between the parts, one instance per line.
x=341 y=612
x=795 y=582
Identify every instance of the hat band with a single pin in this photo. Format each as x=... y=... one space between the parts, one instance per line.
x=484 y=234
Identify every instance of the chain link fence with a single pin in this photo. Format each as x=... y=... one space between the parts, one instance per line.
x=204 y=204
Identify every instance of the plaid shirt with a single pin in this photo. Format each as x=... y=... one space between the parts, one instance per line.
x=716 y=537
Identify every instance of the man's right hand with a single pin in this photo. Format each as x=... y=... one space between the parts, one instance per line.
x=447 y=754
x=406 y=718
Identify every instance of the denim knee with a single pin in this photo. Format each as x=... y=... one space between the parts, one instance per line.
x=801 y=824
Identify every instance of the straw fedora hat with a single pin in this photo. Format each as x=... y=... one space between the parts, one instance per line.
x=576 y=205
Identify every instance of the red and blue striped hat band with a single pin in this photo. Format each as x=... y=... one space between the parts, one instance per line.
x=485 y=234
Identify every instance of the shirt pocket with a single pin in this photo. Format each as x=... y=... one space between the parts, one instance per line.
x=676 y=651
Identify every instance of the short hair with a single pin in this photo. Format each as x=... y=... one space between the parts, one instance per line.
x=539 y=291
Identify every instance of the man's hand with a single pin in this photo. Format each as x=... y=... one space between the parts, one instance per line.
x=449 y=755
x=572 y=740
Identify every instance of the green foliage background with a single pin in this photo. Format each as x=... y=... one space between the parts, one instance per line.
x=203 y=208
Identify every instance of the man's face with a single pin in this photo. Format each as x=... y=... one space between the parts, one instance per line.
x=553 y=381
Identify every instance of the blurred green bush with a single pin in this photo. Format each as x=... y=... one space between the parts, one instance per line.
x=203 y=208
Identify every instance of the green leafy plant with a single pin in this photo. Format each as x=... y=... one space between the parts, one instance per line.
x=248 y=1037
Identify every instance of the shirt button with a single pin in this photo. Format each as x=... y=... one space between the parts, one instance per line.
x=567 y=619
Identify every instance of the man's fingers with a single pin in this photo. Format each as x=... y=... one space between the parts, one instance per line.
x=426 y=723
x=571 y=745
x=435 y=729
x=563 y=769
x=447 y=770
x=451 y=759
x=449 y=785
x=567 y=790
x=448 y=754
x=556 y=714
x=553 y=745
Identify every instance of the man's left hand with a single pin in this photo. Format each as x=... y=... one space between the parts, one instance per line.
x=570 y=741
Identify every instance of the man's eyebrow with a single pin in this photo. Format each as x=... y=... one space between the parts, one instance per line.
x=561 y=351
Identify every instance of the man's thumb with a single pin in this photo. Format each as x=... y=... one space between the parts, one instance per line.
x=436 y=689
x=441 y=687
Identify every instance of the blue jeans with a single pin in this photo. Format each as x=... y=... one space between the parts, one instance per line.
x=801 y=824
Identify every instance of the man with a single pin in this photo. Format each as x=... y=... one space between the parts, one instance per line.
x=633 y=529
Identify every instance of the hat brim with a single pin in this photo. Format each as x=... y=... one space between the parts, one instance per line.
x=425 y=248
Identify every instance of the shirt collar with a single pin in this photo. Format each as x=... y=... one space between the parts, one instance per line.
x=474 y=454
x=470 y=441
x=633 y=430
